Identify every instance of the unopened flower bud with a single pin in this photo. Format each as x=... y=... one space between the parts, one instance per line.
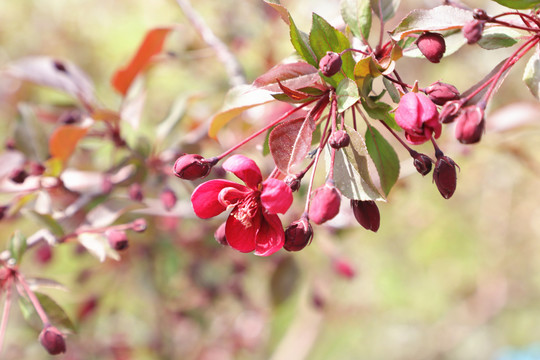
x=325 y=204
x=330 y=64
x=117 y=239
x=418 y=116
x=480 y=14
x=344 y=268
x=192 y=167
x=18 y=175
x=445 y=176
x=36 y=168
x=44 y=253
x=52 y=340
x=139 y=225
x=470 y=125
x=367 y=214
x=422 y=163
x=473 y=31
x=432 y=46
x=135 y=192
x=298 y=235
x=440 y=93
x=450 y=111
x=168 y=198
x=293 y=182
x=339 y=139
x=219 y=235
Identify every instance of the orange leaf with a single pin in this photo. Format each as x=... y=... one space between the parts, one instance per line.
x=64 y=139
x=151 y=45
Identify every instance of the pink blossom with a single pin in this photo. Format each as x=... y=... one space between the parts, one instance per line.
x=253 y=224
x=418 y=116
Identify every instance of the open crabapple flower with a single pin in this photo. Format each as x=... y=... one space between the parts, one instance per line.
x=253 y=224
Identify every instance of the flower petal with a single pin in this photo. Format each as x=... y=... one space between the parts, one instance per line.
x=276 y=196
x=230 y=196
x=270 y=237
x=239 y=236
x=407 y=116
x=245 y=169
x=205 y=197
x=428 y=109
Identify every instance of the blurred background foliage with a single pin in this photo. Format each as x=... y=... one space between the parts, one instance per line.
x=442 y=279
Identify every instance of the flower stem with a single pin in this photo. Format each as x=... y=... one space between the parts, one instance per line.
x=5 y=312
x=33 y=299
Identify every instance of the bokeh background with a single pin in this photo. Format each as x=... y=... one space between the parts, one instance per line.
x=442 y=279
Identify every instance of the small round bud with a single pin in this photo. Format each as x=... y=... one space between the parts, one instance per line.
x=330 y=64
x=117 y=239
x=422 y=163
x=470 y=125
x=367 y=214
x=168 y=198
x=139 y=225
x=219 y=235
x=432 y=46
x=339 y=139
x=135 y=192
x=192 y=167
x=325 y=203
x=52 y=340
x=450 y=111
x=440 y=93
x=344 y=268
x=293 y=182
x=473 y=31
x=298 y=235
x=480 y=14
x=18 y=175
x=445 y=176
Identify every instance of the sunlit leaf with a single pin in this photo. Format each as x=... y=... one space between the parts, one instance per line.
x=47 y=220
x=98 y=245
x=531 y=75
x=280 y=9
x=392 y=91
x=64 y=140
x=351 y=174
x=281 y=142
x=30 y=136
x=58 y=74
x=284 y=280
x=55 y=313
x=519 y=4
x=388 y=8
x=347 y=94
x=384 y=157
x=300 y=42
x=292 y=75
x=357 y=14
x=238 y=100
x=439 y=18
x=151 y=45
x=498 y=37
x=109 y=211
x=17 y=246
x=39 y=283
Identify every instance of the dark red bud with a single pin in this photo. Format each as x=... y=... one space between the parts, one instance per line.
x=367 y=214
x=440 y=93
x=473 y=31
x=470 y=125
x=450 y=111
x=18 y=175
x=135 y=192
x=330 y=64
x=422 y=163
x=344 y=268
x=87 y=308
x=168 y=199
x=325 y=204
x=298 y=235
x=44 y=253
x=117 y=239
x=219 y=235
x=445 y=176
x=432 y=46
x=293 y=182
x=139 y=225
x=339 y=139
x=52 y=340
x=192 y=167
x=480 y=14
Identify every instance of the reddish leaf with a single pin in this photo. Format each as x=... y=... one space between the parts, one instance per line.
x=280 y=9
x=293 y=94
x=282 y=140
x=294 y=75
x=58 y=74
x=151 y=45
x=64 y=139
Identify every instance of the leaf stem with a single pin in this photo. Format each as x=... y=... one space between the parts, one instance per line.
x=5 y=312
x=33 y=299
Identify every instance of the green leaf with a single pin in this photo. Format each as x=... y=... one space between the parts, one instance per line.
x=531 y=75
x=380 y=111
x=347 y=94
x=351 y=174
x=284 y=280
x=385 y=158
x=357 y=14
x=323 y=38
x=392 y=91
x=55 y=313
x=498 y=37
x=518 y=4
x=300 y=42
x=440 y=18
x=389 y=8
x=17 y=246
x=30 y=137
x=47 y=220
